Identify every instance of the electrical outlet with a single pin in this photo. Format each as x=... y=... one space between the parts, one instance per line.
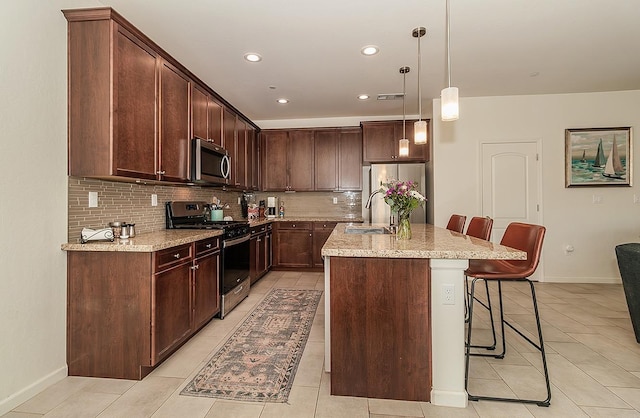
x=154 y=200
x=636 y=199
x=335 y=200
x=597 y=199
x=448 y=294
x=93 y=199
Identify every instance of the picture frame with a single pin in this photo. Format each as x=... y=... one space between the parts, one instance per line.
x=591 y=159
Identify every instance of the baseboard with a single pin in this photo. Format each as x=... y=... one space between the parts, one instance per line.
x=578 y=280
x=33 y=389
x=449 y=398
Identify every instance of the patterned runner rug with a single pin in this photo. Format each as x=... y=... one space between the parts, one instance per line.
x=259 y=361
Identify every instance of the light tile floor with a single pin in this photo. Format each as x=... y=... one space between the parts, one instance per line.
x=594 y=363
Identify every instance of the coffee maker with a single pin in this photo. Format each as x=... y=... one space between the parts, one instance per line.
x=272 y=207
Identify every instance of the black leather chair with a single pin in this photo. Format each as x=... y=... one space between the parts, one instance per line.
x=628 y=256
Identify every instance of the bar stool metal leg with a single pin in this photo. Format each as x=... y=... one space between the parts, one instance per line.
x=503 y=322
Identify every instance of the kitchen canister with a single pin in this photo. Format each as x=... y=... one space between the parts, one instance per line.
x=216 y=215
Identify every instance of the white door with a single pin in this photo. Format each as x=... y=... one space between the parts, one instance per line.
x=510 y=185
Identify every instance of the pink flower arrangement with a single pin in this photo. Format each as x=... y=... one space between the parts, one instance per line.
x=402 y=196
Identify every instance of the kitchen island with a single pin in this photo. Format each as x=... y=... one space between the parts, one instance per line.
x=394 y=311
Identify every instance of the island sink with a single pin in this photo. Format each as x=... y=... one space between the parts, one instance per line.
x=367 y=229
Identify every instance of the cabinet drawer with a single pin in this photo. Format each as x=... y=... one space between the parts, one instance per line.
x=207 y=245
x=294 y=225
x=173 y=255
x=324 y=226
x=259 y=229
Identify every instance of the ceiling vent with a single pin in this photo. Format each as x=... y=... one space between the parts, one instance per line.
x=392 y=96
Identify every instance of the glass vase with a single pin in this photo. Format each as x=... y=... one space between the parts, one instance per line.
x=404 y=226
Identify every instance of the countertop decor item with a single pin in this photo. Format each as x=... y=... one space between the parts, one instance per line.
x=259 y=361
x=402 y=197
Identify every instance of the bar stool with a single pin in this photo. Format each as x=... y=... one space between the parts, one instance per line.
x=456 y=223
x=525 y=237
x=480 y=227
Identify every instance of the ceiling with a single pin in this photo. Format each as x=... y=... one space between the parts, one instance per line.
x=311 y=50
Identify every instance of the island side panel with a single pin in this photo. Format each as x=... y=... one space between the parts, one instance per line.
x=108 y=313
x=380 y=328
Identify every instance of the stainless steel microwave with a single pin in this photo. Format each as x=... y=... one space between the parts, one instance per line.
x=210 y=163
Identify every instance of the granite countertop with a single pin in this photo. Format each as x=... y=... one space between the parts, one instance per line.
x=146 y=242
x=427 y=241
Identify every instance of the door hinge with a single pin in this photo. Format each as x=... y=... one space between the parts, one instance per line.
x=537 y=156
x=538 y=208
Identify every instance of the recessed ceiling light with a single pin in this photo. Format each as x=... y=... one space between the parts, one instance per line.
x=363 y=96
x=252 y=57
x=283 y=101
x=369 y=50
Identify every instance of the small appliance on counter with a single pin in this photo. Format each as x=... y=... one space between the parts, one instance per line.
x=272 y=207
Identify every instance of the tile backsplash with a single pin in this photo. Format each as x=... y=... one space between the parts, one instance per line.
x=131 y=203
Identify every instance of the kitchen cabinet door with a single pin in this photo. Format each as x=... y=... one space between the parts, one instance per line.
x=174 y=123
x=326 y=159
x=135 y=106
x=293 y=244
x=321 y=232
x=171 y=310
x=199 y=112
x=241 y=154
x=300 y=160
x=229 y=141
x=350 y=160
x=381 y=142
x=273 y=145
x=214 y=114
x=206 y=288
x=252 y=165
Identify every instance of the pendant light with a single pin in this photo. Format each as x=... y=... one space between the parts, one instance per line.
x=404 y=142
x=449 y=96
x=419 y=127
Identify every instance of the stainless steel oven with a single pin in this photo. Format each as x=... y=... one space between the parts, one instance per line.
x=235 y=281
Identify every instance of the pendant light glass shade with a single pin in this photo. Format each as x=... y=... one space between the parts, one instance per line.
x=420 y=132
x=449 y=104
x=404 y=148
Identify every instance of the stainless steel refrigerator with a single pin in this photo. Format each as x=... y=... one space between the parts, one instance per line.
x=377 y=174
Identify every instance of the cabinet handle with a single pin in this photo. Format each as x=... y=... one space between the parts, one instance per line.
x=259 y=240
x=196 y=267
x=161 y=172
x=309 y=234
x=324 y=226
x=176 y=256
x=208 y=245
x=294 y=225
x=239 y=290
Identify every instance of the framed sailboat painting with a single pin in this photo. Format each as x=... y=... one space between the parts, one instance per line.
x=598 y=157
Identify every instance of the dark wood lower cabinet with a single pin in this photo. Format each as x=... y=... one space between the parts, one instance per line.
x=381 y=328
x=128 y=311
x=293 y=245
x=321 y=232
x=260 y=251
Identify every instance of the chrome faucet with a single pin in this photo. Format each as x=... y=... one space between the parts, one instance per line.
x=368 y=204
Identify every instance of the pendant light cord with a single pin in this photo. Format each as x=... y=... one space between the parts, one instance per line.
x=419 y=89
x=404 y=93
x=448 y=47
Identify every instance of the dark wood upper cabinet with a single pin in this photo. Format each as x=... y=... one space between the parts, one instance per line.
x=273 y=155
x=350 y=159
x=133 y=108
x=252 y=164
x=381 y=142
x=174 y=123
x=300 y=160
x=326 y=159
x=199 y=112
x=241 y=154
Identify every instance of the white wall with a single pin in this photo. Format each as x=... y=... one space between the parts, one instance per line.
x=568 y=213
x=33 y=207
